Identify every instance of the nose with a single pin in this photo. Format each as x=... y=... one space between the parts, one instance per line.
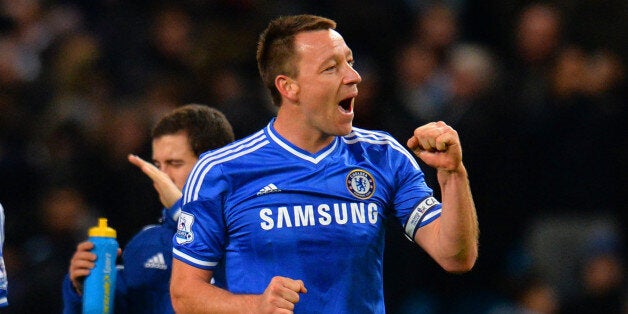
x=162 y=168
x=352 y=76
x=167 y=170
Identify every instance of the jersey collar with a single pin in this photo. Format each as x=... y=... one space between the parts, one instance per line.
x=296 y=151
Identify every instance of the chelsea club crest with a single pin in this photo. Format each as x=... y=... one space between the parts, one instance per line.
x=361 y=184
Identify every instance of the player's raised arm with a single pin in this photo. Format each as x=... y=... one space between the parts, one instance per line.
x=451 y=240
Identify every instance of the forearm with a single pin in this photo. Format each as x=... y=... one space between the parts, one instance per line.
x=191 y=292
x=457 y=237
x=206 y=298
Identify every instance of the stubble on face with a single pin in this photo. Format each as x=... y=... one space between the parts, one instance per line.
x=327 y=81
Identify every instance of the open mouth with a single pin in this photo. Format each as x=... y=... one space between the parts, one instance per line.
x=346 y=105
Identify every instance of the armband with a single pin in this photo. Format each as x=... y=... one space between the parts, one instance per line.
x=414 y=222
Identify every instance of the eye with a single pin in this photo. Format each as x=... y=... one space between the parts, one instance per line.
x=177 y=163
x=330 y=68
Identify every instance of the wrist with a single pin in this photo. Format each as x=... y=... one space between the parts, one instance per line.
x=459 y=171
x=77 y=288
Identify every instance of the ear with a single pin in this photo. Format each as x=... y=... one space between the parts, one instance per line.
x=287 y=87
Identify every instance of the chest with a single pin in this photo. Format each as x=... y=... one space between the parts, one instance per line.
x=313 y=206
x=148 y=260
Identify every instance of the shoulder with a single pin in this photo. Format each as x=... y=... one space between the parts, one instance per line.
x=152 y=240
x=375 y=143
x=231 y=152
x=149 y=234
x=373 y=139
x=215 y=169
x=231 y=155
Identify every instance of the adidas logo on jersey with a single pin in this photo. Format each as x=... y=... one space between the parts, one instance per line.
x=157 y=261
x=271 y=188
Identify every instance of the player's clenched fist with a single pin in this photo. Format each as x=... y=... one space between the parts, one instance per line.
x=281 y=295
x=438 y=145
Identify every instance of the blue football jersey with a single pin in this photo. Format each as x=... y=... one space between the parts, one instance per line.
x=3 y=273
x=262 y=207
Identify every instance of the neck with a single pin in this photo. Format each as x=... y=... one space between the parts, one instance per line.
x=299 y=133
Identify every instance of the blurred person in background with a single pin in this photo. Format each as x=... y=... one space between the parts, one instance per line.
x=142 y=285
x=168 y=55
x=421 y=87
x=587 y=114
x=601 y=277
x=422 y=68
x=463 y=96
x=536 y=40
x=48 y=238
x=436 y=27
x=587 y=273
x=527 y=293
x=369 y=114
x=235 y=96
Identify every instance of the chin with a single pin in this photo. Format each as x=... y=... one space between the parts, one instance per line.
x=345 y=129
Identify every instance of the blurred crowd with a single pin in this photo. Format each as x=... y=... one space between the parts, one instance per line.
x=536 y=90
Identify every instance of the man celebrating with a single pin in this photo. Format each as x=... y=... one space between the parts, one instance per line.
x=292 y=217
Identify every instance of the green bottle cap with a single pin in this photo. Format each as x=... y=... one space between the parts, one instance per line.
x=102 y=230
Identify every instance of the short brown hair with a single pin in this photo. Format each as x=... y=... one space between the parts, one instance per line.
x=207 y=128
x=275 y=47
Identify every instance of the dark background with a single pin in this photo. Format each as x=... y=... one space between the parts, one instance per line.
x=542 y=128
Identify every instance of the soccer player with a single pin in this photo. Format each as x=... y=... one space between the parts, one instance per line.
x=3 y=272
x=142 y=284
x=292 y=218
